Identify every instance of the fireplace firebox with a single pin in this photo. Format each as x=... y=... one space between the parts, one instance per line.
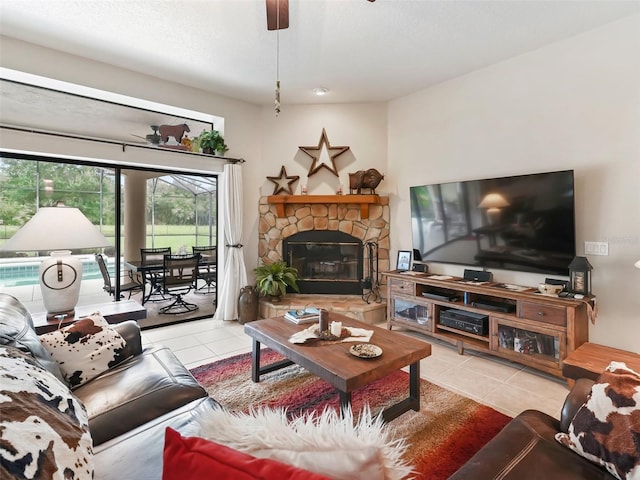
x=328 y=262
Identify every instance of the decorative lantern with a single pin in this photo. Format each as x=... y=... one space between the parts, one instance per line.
x=580 y=276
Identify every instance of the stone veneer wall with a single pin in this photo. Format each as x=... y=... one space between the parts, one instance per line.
x=343 y=217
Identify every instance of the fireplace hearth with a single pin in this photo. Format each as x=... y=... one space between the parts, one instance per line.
x=328 y=262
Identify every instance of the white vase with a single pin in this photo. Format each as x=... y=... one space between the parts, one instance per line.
x=60 y=277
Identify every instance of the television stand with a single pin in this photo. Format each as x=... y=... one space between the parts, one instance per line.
x=522 y=325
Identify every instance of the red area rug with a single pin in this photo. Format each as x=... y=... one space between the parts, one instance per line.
x=443 y=435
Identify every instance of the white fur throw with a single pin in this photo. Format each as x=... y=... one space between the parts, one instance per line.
x=328 y=444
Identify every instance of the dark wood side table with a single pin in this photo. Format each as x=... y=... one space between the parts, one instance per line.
x=113 y=312
x=590 y=359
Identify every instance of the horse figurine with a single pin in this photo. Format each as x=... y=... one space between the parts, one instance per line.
x=175 y=131
x=364 y=179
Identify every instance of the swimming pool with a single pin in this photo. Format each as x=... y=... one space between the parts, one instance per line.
x=15 y=273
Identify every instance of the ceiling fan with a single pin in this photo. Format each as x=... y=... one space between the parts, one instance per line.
x=152 y=138
x=278 y=14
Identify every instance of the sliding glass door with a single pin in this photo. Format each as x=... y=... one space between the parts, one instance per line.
x=133 y=207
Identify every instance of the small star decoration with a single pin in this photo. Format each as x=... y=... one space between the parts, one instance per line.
x=314 y=152
x=283 y=182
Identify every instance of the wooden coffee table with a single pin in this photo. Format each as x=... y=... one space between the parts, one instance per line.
x=334 y=363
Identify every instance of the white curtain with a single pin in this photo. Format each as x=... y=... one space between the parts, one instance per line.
x=235 y=272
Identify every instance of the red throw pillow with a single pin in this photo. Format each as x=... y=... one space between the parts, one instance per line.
x=193 y=458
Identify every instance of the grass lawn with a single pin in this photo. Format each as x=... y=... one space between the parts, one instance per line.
x=174 y=236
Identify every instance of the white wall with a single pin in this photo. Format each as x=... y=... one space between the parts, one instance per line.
x=572 y=105
x=252 y=132
x=241 y=119
x=361 y=127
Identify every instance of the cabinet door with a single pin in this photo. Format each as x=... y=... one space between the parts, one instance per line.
x=525 y=343
x=414 y=313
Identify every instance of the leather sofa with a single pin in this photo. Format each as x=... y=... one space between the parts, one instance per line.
x=128 y=406
x=526 y=448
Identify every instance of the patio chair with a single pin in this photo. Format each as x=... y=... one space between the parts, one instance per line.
x=152 y=268
x=108 y=287
x=180 y=274
x=208 y=268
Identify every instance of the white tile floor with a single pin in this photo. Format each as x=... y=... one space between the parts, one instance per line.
x=505 y=386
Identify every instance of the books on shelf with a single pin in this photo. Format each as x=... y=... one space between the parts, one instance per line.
x=306 y=315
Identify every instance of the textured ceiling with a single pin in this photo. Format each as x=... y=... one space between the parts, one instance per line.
x=361 y=51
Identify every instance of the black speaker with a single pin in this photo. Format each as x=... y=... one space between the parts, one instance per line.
x=477 y=275
x=420 y=267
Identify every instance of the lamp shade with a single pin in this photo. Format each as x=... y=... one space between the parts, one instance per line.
x=56 y=228
x=493 y=200
x=637 y=264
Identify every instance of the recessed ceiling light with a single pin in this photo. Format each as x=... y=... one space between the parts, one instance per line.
x=320 y=91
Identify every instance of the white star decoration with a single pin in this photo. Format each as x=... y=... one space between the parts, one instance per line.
x=315 y=152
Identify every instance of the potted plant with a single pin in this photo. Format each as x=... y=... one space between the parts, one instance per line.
x=212 y=142
x=272 y=279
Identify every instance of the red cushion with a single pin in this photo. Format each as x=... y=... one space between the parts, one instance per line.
x=187 y=458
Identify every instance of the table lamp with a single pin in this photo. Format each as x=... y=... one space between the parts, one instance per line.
x=493 y=202
x=58 y=230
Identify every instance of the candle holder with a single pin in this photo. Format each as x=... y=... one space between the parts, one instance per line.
x=323 y=324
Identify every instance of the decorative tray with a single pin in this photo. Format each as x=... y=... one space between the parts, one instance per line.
x=365 y=350
x=327 y=335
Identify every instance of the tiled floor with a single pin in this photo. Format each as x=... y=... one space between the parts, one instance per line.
x=507 y=387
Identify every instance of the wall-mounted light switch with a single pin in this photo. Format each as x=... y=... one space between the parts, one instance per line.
x=596 y=248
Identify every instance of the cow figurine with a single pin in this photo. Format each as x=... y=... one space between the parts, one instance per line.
x=175 y=131
x=364 y=179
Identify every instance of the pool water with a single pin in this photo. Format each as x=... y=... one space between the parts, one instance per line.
x=20 y=274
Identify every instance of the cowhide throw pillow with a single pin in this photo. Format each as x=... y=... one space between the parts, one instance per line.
x=606 y=429
x=44 y=430
x=85 y=349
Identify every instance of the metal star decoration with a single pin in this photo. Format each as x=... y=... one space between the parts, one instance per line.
x=283 y=182
x=314 y=152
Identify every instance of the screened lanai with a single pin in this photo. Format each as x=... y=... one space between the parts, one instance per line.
x=201 y=229
x=157 y=209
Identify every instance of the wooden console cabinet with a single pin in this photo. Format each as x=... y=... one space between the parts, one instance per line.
x=521 y=325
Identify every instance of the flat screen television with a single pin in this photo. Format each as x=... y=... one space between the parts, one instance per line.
x=524 y=223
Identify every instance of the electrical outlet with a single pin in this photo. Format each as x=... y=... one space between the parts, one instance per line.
x=596 y=248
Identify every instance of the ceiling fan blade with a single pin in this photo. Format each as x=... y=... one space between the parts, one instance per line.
x=273 y=8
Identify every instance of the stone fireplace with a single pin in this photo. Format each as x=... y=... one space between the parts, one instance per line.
x=323 y=236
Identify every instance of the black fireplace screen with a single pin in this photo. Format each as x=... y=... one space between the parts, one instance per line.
x=327 y=261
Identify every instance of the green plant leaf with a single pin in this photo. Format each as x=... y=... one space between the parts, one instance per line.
x=274 y=278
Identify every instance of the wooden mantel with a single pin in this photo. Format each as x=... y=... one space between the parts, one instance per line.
x=364 y=200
